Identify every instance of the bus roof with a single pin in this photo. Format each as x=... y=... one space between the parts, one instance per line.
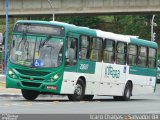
x=142 y=42
x=45 y=22
x=69 y=27
x=95 y=32
x=113 y=36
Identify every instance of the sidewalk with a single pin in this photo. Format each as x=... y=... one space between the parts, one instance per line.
x=7 y=91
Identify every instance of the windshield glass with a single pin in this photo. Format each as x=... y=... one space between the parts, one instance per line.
x=36 y=51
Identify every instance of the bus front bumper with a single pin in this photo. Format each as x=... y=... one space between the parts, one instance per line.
x=39 y=86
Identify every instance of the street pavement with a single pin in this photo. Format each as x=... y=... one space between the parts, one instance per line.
x=4 y=92
x=7 y=91
x=12 y=102
x=140 y=104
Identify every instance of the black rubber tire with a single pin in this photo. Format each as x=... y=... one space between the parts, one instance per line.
x=117 y=98
x=75 y=96
x=29 y=94
x=88 y=97
x=127 y=93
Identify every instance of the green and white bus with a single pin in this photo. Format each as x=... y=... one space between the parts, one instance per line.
x=64 y=59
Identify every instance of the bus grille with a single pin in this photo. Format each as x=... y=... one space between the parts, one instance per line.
x=29 y=78
x=29 y=84
x=32 y=73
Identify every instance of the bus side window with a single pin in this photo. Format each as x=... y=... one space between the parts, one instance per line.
x=71 y=51
x=121 y=53
x=152 y=58
x=84 y=47
x=132 y=54
x=108 y=51
x=142 y=56
x=96 y=49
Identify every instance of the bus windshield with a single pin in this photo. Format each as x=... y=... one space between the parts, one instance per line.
x=36 y=50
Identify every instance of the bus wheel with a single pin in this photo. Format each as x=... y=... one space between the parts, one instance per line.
x=88 y=97
x=117 y=98
x=78 y=92
x=29 y=94
x=127 y=93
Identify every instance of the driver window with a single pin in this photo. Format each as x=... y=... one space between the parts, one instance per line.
x=71 y=51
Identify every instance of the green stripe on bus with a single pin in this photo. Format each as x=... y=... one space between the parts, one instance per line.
x=142 y=71
x=142 y=42
x=85 y=66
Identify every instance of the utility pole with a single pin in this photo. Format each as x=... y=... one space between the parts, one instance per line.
x=152 y=25
x=6 y=40
x=52 y=6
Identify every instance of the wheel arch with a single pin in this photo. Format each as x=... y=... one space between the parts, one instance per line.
x=83 y=79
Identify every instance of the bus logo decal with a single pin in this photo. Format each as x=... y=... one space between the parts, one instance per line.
x=31 y=78
x=110 y=71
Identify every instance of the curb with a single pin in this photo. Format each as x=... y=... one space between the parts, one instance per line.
x=9 y=95
x=2 y=78
x=2 y=82
x=20 y=95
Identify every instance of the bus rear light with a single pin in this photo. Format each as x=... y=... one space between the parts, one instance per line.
x=52 y=87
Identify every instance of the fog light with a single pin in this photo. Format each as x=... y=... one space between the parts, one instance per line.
x=13 y=76
x=18 y=84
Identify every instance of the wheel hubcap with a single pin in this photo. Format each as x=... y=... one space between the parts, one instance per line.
x=128 y=93
x=78 y=90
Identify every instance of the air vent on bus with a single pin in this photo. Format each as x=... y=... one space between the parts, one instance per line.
x=32 y=73
x=29 y=78
x=29 y=84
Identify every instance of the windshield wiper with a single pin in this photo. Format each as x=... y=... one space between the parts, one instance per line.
x=23 y=39
x=44 y=42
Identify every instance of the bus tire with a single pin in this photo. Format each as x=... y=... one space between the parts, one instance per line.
x=117 y=98
x=29 y=94
x=88 y=97
x=78 y=92
x=127 y=93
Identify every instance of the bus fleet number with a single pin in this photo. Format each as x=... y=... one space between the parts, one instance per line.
x=83 y=66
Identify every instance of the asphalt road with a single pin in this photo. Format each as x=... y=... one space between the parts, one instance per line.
x=60 y=105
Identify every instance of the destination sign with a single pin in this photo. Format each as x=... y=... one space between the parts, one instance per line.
x=39 y=29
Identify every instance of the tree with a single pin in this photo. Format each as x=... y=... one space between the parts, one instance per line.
x=133 y=25
x=86 y=21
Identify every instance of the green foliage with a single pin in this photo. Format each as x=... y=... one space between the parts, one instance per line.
x=87 y=21
x=133 y=25
x=138 y=25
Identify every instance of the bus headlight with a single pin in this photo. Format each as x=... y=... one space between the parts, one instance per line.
x=55 y=77
x=11 y=74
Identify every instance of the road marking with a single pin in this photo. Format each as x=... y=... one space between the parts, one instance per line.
x=28 y=103
x=55 y=102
